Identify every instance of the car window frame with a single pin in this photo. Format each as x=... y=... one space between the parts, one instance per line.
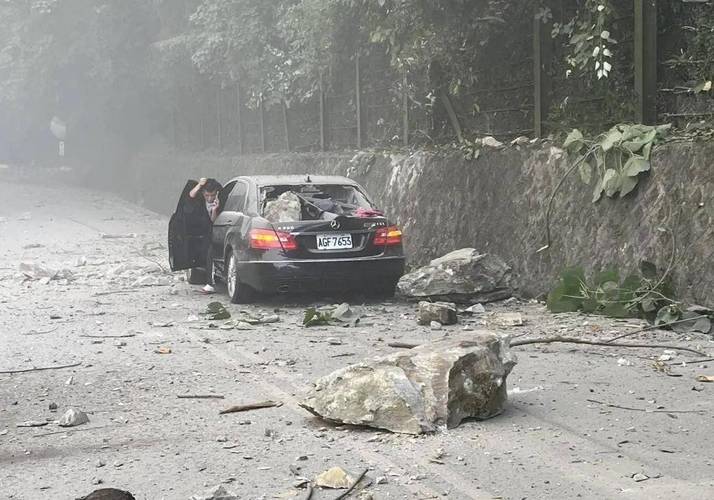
x=240 y=208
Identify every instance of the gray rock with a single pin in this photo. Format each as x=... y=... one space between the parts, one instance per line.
x=417 y=391
x=464 y=276
x=107 y=493
x=443 y=312
x=217 y=493
x=72 y=418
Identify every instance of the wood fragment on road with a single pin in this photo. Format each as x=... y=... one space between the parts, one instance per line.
x=39 y=369
x=644 y=410
x=251 y=406
x=571 y=340
x=41 y=332
x=122 y=336
x=354 y=485
x=200 y=396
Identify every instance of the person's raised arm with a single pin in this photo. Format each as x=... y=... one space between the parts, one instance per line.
x=197 y=188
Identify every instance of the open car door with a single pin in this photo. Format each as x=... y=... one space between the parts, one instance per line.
x=187 y=232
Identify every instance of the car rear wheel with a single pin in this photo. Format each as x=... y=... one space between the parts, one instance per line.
x=196 y=276
x=238 y=292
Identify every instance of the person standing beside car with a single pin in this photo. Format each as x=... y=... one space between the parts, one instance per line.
x=205 y=194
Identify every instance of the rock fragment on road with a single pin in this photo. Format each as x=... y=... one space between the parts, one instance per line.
x=434 y=385
x=464 y=276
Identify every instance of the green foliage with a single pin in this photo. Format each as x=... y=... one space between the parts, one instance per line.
x=591 y=43
x=313 y=317
x=616 y=158
x=638 y=295
x=216 y=311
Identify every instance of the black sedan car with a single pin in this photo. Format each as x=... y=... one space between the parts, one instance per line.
x=290 y=234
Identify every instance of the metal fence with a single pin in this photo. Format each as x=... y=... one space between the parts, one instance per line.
x=367 y=103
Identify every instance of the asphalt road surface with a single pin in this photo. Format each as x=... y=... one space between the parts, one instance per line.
x=137 y=332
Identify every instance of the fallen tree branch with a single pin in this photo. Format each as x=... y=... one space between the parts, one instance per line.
x=655 y=327
x=548 y=240
x=644 y=410
x=252 y=406
x=572 y=340
x=354 y=485
x=310 y=490
x=40 y=369
x=123 y=336
x=71 y=431
x=199 y=396
x=41 y=332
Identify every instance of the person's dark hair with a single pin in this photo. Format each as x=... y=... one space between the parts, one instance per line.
x=212 y=185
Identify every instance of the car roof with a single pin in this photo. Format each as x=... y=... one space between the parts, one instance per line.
x=277 y=180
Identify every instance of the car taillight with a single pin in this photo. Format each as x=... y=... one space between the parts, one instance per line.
x=267 y=239
x=388 y=236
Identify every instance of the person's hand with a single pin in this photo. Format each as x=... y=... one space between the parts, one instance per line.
x=202 y=182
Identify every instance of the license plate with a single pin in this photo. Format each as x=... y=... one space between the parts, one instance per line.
x=334 y=241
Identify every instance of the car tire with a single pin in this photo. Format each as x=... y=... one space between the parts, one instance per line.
x=238 y=292
x=196 y=276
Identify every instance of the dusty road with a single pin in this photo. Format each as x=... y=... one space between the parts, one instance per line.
x=550 y=443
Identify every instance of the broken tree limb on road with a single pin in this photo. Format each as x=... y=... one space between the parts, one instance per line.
x=200 y=396
x=645 y=410
x=39 y=369
x=354 y=485
x=252 y=406
x=656 y=327
x=571 y=340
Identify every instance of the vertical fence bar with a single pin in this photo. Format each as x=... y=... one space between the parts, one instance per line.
x=202 y=114
x=405 y=107
x=286 y=126
x=323 y=142
x=239 y=118
x=358 y=102
x=542 y=53
x=261 y=117
x=219 y=118
x=646 y=61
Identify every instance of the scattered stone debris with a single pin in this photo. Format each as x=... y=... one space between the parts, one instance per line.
x=108 y=494
x=705 y=378
x=285 y=208
x=217 y=493
x=639 y=477
x=163 y=350
x=334 y=478
x=464 y=276
x=475 y=309
x=33 y=271
x=109 y=236
x=441 y=312
x=413 y=392
x=509 y=319
x=491 y=142
x=72 y=418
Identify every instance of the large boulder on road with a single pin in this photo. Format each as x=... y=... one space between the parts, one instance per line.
x=464 y=276
x=417 y=391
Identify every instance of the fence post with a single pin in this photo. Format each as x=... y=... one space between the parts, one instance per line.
x=358 y=102
x=219 y=117
x=239 y=119
x=261 y=117
x=323 y=142
x=405 y=107
x=542 y=52
x=202 y=114
x=286 y=125
x=646 y=61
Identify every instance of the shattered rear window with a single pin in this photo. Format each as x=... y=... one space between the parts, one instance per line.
x=311 y=202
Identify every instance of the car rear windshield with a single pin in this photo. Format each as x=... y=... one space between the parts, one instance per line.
x=311 y=202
